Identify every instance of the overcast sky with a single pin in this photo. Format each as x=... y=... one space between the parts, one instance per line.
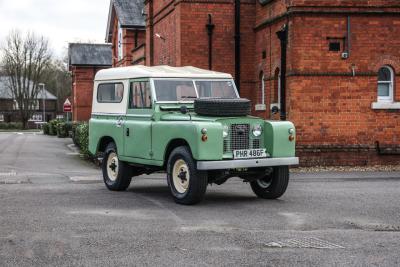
x=60 y=21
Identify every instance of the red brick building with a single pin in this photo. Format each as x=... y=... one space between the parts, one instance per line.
x=321 y=62
x=126 y=32
x=85 y=60
x=330 y=66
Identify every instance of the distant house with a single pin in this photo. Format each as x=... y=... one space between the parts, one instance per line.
x=85 y=60
x=9 y=106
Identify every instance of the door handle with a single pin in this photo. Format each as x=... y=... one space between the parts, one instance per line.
x=120 y=122
x=127 y=131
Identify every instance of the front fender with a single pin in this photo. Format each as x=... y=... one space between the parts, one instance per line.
x=277 y=141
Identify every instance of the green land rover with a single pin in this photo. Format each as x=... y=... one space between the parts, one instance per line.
x=190 y=123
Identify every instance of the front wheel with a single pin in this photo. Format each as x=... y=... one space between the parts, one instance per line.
x=117 y=175
x=272 y=186
x=187 y=184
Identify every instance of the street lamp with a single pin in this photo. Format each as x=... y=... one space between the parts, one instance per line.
x=44 y=101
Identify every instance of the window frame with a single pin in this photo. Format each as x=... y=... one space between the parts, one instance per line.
x=120 y=45
x=131 y=82
x=193 y=80
x=110 y=102
x=389 y=98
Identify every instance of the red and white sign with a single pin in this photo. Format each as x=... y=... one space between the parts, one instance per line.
x=67 y=106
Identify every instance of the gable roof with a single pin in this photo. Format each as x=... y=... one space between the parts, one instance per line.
x=129 y=15
x=89 y=54
x=6 y=92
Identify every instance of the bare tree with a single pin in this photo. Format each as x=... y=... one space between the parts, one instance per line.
x=24 y=60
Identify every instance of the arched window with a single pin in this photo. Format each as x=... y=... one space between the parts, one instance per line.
x=276 y=92
x=385 y=84
x=262 y=88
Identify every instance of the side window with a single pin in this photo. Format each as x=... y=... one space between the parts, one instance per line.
x=140 y=95
x=110 y=92
x=385 y=84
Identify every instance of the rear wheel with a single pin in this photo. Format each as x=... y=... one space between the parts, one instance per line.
x=187 y=184
x=272 y=186
x=117 y=175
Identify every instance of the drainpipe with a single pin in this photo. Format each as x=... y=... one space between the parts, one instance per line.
x=210 y=29
x=151 y=13
x=237 y=44
x=283 y=37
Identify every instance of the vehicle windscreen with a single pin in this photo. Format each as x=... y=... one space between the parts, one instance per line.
x=174 y=90
x=184 y=90
x=220 y=89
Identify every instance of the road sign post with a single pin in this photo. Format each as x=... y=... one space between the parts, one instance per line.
x=67 y=107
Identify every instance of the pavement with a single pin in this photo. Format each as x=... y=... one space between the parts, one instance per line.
x=55 y=211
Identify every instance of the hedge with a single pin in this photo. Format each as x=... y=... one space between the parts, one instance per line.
x=79 y=132
x=82 y=135
x=53 y=124
x=46 y=128
x=63 y=129
x=10 y=125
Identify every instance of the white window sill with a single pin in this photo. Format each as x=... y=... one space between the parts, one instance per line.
x=386 y=105
x=260 y=107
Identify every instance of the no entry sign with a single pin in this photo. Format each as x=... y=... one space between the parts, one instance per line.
x=67 y=106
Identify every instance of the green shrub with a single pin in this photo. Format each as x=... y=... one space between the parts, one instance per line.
x=74 y=135
x=62 y=129
x=82 y=134
x=53 y=125
x=10 y=125
x=46 y=128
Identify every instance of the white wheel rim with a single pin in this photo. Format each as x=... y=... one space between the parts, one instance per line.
x=112 y=166
x=181 y=176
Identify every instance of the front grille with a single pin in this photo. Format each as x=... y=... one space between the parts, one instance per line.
x=256 y=144
x=239 y=138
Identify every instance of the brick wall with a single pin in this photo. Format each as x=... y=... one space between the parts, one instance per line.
x=82 y=91
x=328 y=98
x=131 y=39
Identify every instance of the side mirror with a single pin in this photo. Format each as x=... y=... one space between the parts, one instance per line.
x=184 y=109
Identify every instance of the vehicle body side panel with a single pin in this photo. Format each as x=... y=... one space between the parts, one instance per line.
x=166 y=131
x=105 y=126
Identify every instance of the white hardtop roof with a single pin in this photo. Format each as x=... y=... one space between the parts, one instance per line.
x=158 y=72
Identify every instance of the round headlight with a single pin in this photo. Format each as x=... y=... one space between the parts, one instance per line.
x=291 y=131
x=204 y=131
x=257 y=130
x=225 y=132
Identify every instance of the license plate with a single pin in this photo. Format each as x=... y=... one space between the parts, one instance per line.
x=249 y=153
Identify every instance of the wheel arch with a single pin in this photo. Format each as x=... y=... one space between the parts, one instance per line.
x=103 y=142
x=174 y=143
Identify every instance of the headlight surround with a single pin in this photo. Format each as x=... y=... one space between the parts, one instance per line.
x=257 y=130
x=225 y=131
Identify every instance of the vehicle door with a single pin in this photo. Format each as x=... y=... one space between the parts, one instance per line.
x=137 y=127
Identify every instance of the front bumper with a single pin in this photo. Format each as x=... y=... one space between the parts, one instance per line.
x=246 y=163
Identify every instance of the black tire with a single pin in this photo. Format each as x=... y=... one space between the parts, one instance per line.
x=196 y=185
x=272 y=186
x=123 y=175
x=222 y=107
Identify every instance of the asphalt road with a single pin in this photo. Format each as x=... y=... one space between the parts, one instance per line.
x=47 y=219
